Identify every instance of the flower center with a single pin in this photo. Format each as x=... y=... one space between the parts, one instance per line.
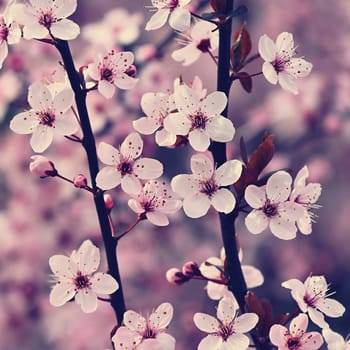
x=198 y=121
x=225 y=331
x=46 y=20
x=172 y=4
x=4 y=31
x=270 y=209
x=125 y=167
x=204 y=45
x=209 y=187
x=81 y=281
x=279 y=64
x=107 y=74
x=149 y=333
x=311 y=300
x=47 y=118
x=293 y=343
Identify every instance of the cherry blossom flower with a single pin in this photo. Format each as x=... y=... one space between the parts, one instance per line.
x=334 y=340
x=155 y=201
x=75 y=277
x=311 y=297
x=179 y=16
x=213 y=268
x=125 y=166
x=306 y=196
x=199 y=119
x=51 y=113
x=47 y=17
x=10 y=33
x=112 y=70
x=202 y=39
x=42 y=166
x=226 y=332
x=157 y=107
x=296 y=338
x=142 y=334
x=272 y=208
x=202 y=189
x=279 y=65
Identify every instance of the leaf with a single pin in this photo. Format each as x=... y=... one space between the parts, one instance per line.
x=219 y=6
x=243 y=149
x=239 y=11
x=241 y=47
x=209 y=15
x=246 y=81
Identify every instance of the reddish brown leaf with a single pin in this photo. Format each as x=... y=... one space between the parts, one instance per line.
x=219 y=6
x=246 y=81
x=242 y=45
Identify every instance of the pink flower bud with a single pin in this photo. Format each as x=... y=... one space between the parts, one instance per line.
x=146 y=52
x=109 y=202
x=80 y=181
x=175 y=276
x=190 y=268
x=41 y=166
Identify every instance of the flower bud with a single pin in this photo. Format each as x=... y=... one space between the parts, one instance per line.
x=190 y=268
x=109 y=202
x=42 y=166
x=80 y=181
x=175 y=276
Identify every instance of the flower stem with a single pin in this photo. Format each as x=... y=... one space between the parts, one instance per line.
x=88 y=142
x=233 y=269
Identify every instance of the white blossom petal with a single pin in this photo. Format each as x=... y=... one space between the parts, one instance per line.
x=108 y=154
x=288 y=82
x=196 y=206
x=145 y=125
x=63 y=100
x=157 y=218
x=125 y=82
x=236 y=341
x=187 y=54
x=199 y=140
x=253 y=276
x=255 y=196
x=161 y=317
x=227 y=309
x=256 y=222
x=148 y=168
x=177 y=123
x=267 y=48
x=157 y=20
x=317 y=318
x=87 y=300
x=246 y=322
x=132 y=146
x=186 y=100
x=210 y=342
x=24 y=123
x=331 y=307
x=103 y=283
x=66 y=124
x=65 y=29
x=61 y=293
x=184 y=185
x=106 y=89
x=223 y=200
x=180 y=19
x=205 y=322
x=42 y=138
x=108 y=178
x=270 y=73
x=88 y=257
x=62 y=266
x=278 y=186
x=214 y=103
x=283 y=229
x=130 y=184
x=220 y=129
x=202 y=166
x=228 y=173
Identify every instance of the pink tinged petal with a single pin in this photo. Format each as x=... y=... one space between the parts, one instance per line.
x=317 y=318
x=161 y=317
x=290 y=211
x=34 y=30
x=223 y=200
x=301 y=177
x=226 y=311
x=312 y=341
x=41 y=139
x=134 y=321
x=63 y=100
x=285 y=42
x=62 y=266
x=278 y=336
x=94 y=71
x=288 y=82
x=228 y=173
x=125 y=82
x=157 y=218
x=255 y=196
x=166 y=341
x=103 y=283
x=304 y=223
x=294 y=284
x=278 y=186
x=202 y=166
x=61 y=293
x=331 y=307
x=3 y=52
x=125 y=339
x=135 y=206
x=270 y=73
x=24 y=123
x=65 y=29
x=171 y=206
x=216 y=291
x=148 y=168
x=131 y=184
x=15 y=34
x=152 y=103
x=206 y=323
x=145 y=125
x=196 y=206
x=108 y=178
x=177 y=123
x=253 y=276
x=199 y=140
x=165 y=138
x=184 y=185
x=299 y=67
x=186 y=100
x=187 y=55
x=39 y=97
x=333 y=339
x=256 y=222
x=88 y=257
x=236 y=341
x=245 y=323
x=267 y=48
x=149 y=343
x=214 y=103
x=87 y=300
x=66 y=124
x=220 y=129
x=108 y=154
x=183 y=3
x=310 y=193
x=180 y=19
x=210 y=342
x=65 y=8
x=298 y=326
x=106 y=89
x=158 y=19
x=132 y=146
x=283 y=229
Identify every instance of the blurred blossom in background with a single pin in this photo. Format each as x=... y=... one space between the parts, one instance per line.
x=43 y=217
